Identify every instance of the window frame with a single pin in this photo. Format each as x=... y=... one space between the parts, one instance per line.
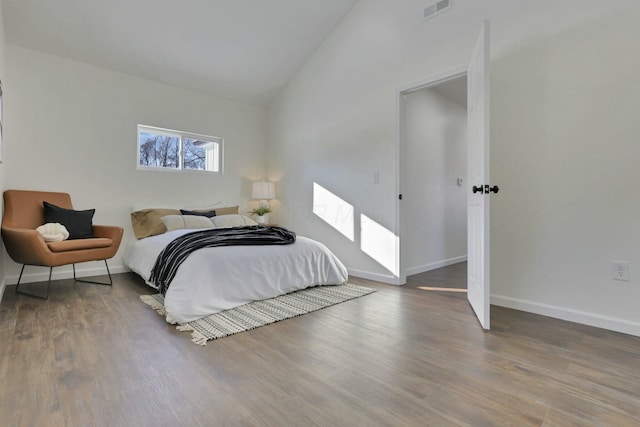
x=180 y=135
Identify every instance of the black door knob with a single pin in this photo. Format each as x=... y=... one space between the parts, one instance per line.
x=478 y=189
x=493 y=189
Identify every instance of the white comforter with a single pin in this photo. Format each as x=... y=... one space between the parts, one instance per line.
x=215 y=279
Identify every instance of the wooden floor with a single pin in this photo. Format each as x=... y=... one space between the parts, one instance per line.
x=404 y=356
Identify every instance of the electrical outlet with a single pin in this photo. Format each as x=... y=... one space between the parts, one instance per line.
x=620 y=270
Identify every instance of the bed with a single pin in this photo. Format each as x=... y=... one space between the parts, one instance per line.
x=214 y=279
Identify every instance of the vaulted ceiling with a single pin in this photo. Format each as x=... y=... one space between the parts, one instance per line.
x=245 y=50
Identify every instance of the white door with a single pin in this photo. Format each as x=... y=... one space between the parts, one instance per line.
x=478 y=291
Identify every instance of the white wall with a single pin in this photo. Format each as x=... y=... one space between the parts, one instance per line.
x=4 y=138
x=565 y=131
x=72 y=128
x=435 y=155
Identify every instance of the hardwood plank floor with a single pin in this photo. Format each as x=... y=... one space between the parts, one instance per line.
x=404 y=356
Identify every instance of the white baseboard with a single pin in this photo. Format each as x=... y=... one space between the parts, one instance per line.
x=41 y=274
x=571 y=315
x=433 y=265
x=393 y=280
x=384 y=278
x=2 y=287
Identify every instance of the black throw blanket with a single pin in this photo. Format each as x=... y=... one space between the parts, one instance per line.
x=174 y=254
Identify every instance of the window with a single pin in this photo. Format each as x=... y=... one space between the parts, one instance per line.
x=164 y=149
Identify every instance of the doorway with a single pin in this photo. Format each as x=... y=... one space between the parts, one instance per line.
x=478 y=174
x=434 y=178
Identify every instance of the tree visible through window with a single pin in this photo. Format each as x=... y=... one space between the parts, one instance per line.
x=168 y=149
x=159 y=150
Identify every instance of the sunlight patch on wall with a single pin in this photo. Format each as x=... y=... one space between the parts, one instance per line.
x=379 y=243
x=333 y=210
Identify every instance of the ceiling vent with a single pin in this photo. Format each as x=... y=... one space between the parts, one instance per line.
x=436 y=9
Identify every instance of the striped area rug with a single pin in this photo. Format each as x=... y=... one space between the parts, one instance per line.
x=260 y=313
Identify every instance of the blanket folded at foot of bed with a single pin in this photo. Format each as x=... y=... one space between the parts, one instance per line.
x=174 y=254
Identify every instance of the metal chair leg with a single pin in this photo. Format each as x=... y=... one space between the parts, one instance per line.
x=20 y=278
x=91 y=281
x=45 y=296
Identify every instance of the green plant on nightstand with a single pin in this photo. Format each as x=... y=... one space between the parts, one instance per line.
x=262 y=214
x=260 y=211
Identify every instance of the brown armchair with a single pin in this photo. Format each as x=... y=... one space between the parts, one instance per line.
x=24 y=212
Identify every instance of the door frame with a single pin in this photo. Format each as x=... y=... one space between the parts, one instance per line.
x=433 y=80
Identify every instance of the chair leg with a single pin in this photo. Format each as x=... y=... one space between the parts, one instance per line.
x=20 y=278
x=91 y=281
x=45 y=296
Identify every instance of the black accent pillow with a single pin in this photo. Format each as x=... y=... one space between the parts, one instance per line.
x=208 y=214
x=79 y=224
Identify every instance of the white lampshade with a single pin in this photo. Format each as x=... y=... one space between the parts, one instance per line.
x=263 y=190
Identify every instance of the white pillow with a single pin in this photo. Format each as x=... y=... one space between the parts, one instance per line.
x=53 y=232
x=232 y=221
x=179 y=222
